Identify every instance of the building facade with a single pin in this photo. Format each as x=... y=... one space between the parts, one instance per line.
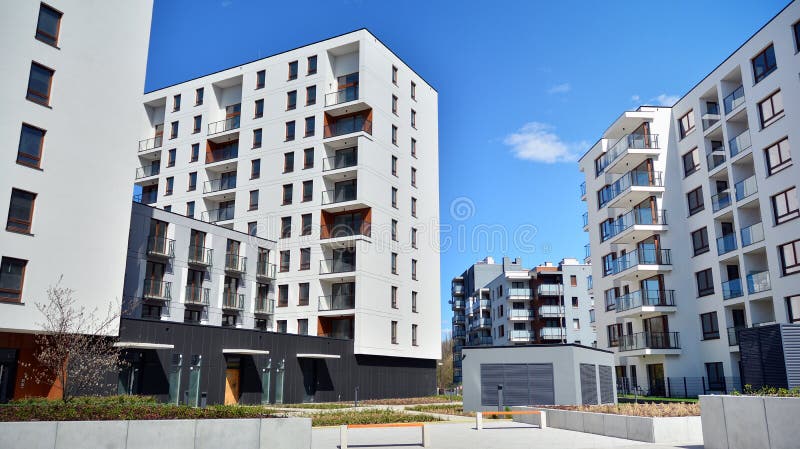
x=692 y=218
x=64 y=184
x=507 y=304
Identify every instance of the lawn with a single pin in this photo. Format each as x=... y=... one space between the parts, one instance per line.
x=457 y=410
x=641 y=409
x=365 y=417
x=657 y=398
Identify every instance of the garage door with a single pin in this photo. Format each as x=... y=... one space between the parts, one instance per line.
x=523 y=383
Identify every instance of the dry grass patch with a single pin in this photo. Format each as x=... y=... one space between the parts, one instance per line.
x=412 y=401
x=365 y=417
x=647 y=409
x=457 y=410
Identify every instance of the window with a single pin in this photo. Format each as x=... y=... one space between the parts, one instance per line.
x=171 y=157
x=311 y=95
x=716 y=377
x=784 y=206
x=609 y=263
x=793 y=307
x=614 y=332
x=764 y=63
x=255 y=169
x=413 y=207
x=168 y=208
x=413 y=335
x=283 y=295
x=394 y=165
x=253 y=200
x=695 y=200
x=302 y=324
x=414 y=119
x=394 y=75
x=308 y=191
x=292 y=70
x=195 y=152
x=280 y=325
x=414 y=302
x=413 y=147
x=31 y=141
x=394 y=332
x=305 y=224
x=176 y=103
x=691 y=162
x=778 y=156
x=252 y=228
x=576 y=324
x=574 y=302
x=708 y=321
x=394 y=197
x=413 y=90
x=308 y=158
x=305 y=259
x=173 y=130
x=394 y=230
x=288 y=162
x=573 y=280
x=39 y=83
x=198 y=96
x=198 y=122
x=770 y=110
x=259 y=111
x=20 y=211
x=169 y=186
x=48 y=25
x=394 y=134
x=310 y=125
x=192 y=181
x=686 y=124
x=286 y=227
x=394 y=297
x=261 y=79
x=705 y=282
x=12 y=277
x=413 y=237
x=287 y=194
x=414 y=269
x=291 y=100
x=285 y=260
x=290 y=130
x=790 y=257
x=413 y=177
x=312 y=65
x=394 y=263
x=190 y=209
x=700 y=241
x=394 y=104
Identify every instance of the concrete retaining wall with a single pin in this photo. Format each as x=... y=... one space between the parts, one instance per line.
x=733 y=422
x=652 y=430
x=272 y=433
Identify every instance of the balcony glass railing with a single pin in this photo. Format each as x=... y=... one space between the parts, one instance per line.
x=523 y=292
x=631 y=141
x=459 y=318
x=146 y=197
x=649 y=340
x=521 y=314
x=481 y=322
x=758 y=282
x=726 y=244
x=715 y=158
x=733 y=335
x=734 y=99
x=347 y=126
x=521 y=335
x=197 y=295
x=552 y=333
x=341 y=96
x=235 y=262
x=224 y=125
x=225 y=153
x=337 y=162
x=232 y=300
x=161 y=246
x=199 y=255
x=639 y=216
x=264 y=306
x=746 y=188
x=157 y=289
x=457 y=289
x=147 y=171
x=587 y=251
x=215 y=215
x=481 y=304
x=639 y=298
x=551 y=311
x=732 y=289
x=336 y=302
x=585 y=219
x=328 y=266
x=628 y=180
x=339 y=195
x=481 y=341
x=740 y=143
x=752 y=234
x=459 y=333
x=639 y=256
x=345 y=230
x=151 y=143
x=550 y=290
x=721 y=201
x=583 y=189
x=458 y=304
x=265 y=270
x=216 y=185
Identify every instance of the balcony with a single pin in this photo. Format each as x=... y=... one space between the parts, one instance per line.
x=583 y=190
x=333 y=266
x=340 y=195
x=758 y=282
x=752 y=234
x=551 y=311
x=481 y=304
x=715 y=158
x=647 y=343
x=520 y=314
x=458 y=289
x=521 y=335
x=339 y=162
x=222 y=126
x=265 y=270
x=348 y=125
x=222 y=153
x=157 y=289
x=552 y=333
x=586 y=221
x=459 y=318
x=264 y=306
x=630 y=189
x=336 y=302
x=726 y=244
x=481 y=341
x=549 y=290
x=232 y=300
x=151 y=143
x=733 y=335
x=235 y=264
x=732 y=289
x=519 y=293
x=740 y=143
x=745 y=188
x=218 y=185
x=481 y=323
x=634 y=226
x=458 y=304
x=200 y=256
x=148 y=171
x=459 y=333
x=710 y=118
x=646 y=302
x=721 y=201
x=646 y=260
x=345 y=230
x=160 y=247
x=341 y=96
x=149 y=197
x=217 y=215
x=629 y=151
x=197 y=296
x=734 y=100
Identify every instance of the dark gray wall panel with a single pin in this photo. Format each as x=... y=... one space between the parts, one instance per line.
x=491 y=377
x=541 y=384
x=523 y=383
x=588 y=384
x=791 y=353
x=606 y=384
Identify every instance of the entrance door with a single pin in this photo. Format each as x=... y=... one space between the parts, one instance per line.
x=231 y=386
x=655 y=379
x=309 y=369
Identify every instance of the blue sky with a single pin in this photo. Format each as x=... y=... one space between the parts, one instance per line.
x=524 y=89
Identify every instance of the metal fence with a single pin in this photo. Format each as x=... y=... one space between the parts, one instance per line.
x=679 y=387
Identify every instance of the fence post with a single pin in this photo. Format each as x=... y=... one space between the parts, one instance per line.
x=685 y=390
x=669 y=388
x=703 y=380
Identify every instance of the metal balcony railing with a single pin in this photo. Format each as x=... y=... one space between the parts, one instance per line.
x=348 y=125
x=147 y=171
x=196 y=295
x=328 y=266
x=639 y=216
x=734 y=99
x=585 y=219
x=457 y=289
x=265 y=270
x=649 y=340
x=151 y=143
x=336 y=302
x=341 y=96
x=521 y=313
x=551 y=311
x=716 y=158
x=160 y=246
x=224 y=125
x=641 y=298
x=481 y=304
x=481 y=322
x=582 y=187
x=458 y=318
x=732 y=289
x=630 y=141
x=216 y=185
x=215 y=215
x=458 y=304
x=752 y=234
x=345 y=160
x=721 y=200
x=264 y=306
x=232 y=300
x=745 y=188
x=628 y=180
x=157 y=289
x=740 y=143
x=199 y=255
x=235 y=263
x=758 y=282
x=726 y=244
x=639 y=256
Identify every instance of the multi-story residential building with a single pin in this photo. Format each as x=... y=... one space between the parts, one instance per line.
x=69 y=99
x=692 y=218
x=332 y=149
x=506 y=304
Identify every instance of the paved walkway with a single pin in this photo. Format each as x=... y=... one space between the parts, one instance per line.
x=501 y=434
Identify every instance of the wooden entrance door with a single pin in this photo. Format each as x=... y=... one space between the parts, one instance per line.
x=231 y=386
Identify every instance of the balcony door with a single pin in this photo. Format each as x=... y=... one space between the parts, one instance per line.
x=197 y=242
x=348 y=87
x=649 y=251
x=232 y=114
x=344 y=260
x=652 y=290
x=159 y=131
x=344 y=191
x=343 y=295
x=158 y=236
x=346 y=225
x=655 y=379
x=346 y=157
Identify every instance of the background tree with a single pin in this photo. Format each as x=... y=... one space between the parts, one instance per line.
x=444 y=372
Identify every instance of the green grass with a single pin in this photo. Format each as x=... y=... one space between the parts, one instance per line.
x=317 y=406
x=365 y=417
x=457 y=410
x=657 y=398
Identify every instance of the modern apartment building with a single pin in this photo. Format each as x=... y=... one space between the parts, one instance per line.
x=69 y=100
x=507 y=304
x=692 y=218
x=332 y=150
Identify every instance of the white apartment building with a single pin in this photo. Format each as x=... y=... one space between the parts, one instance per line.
x=332 y=150
x=68 y=102
x=692 y=219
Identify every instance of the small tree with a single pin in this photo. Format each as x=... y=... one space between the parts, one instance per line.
x=444 y=372
x=75 y=350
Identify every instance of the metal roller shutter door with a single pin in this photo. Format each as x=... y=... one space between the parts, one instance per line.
x=523 y=384
x=540 y=384
x=491 y=377
x=588 y=384
x=606 y=384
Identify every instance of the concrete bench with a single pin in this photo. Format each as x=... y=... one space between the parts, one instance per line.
x=542 y=421
x=426 y=437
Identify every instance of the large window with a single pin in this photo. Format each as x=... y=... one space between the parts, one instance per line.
x=302 y=294
x=785 y=206
x=253 y=200
x=705 y=282
x=311 y=95
x=12 y=276
x=290 y=130
x=764 y=63
x=778 y=156
x=793 y=308
x=39 y=83
x=305 y=224
x=308 y=158
x=790 y=257
x=691 y=162
x=770 y=110
x=700 y=241
x=261 y=78
x=312 y=65
x=283 y=295
x=708 y=321
x=291 y=100
x=310 y=126
x=48 y=25
x=255 y=169
x=286 y=227
x=31 y=141
x=716 y=377
x=614 y=333
x=285 y=260
x=695 y=200
x=287 y=194
x=293 y=70
x=308 y=191
x=20 y=211
x=686 y=124
x=305 y=258
x=259 y=109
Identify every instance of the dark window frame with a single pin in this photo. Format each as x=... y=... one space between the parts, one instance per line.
x=261 y=79
x=47 y=37
x=794 y=268
x=686 y=124
x=790 y=214
x=763 y=57
x=781 y=164
x=707 y=278
x=42 y=98
x=18 y=225
x=293 y=69
x=704 y=247
x=709 y=325
x=309 y=69
x=20 y=154
x=7 y=292
x=776 y=115
x=697 y=196
x=694 y=154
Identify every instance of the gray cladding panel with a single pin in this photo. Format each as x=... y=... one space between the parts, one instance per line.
x=541 y=384
x=791 y=353
x=606 y=384
x=588 y=384
x=523 y=384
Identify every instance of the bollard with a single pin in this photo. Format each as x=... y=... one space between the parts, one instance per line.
x=542 y=419
x=478 y=421
x=426 y=436
x=343 y=437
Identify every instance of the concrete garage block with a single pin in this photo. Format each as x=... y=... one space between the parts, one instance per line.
x=782 y=414
x=573 y=420
x=715 y=435
x=285 y=433
x=174 y=434
x=615 y=426
x=747 y=425
x=91 y=434
x=593 y=423
x=28 y=435
x=217 y=433
x=640 y=428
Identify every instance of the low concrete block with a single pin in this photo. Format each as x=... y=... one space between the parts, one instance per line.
x=746 y=423
x=715 y=435
x=174 y=434
x=285 y=433
x=640 y=428
x=593 y=423
x=671 y=430
x=573 y=420
x=91 y=434
x=217 y=433
x=782 y=416
x=556 y=418
x=28 y=435
x=615 y=426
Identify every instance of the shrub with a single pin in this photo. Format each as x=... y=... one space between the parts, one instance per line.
x=641 y=409
x=768 y=391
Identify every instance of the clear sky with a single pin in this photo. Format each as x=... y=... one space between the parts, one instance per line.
x=524 y=88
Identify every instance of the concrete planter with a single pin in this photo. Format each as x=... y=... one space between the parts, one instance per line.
x=686 y=429
x=733 y=422
x=270 y=433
